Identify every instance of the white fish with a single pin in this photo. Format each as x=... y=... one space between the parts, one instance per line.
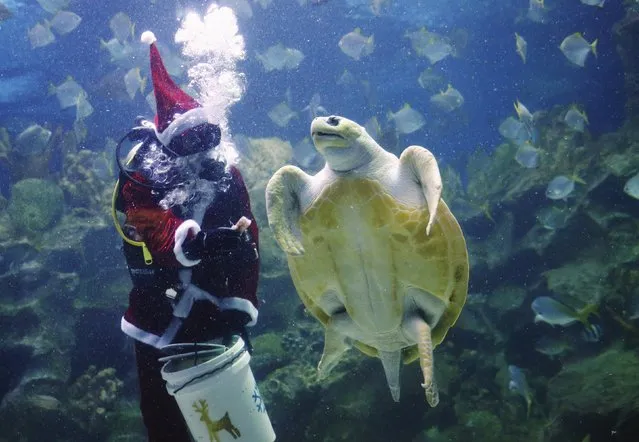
x=519 y=385
x=431 y=81
x=314 y=106
x=133 y=82
x=347 y=78
x=65 y=21
x=40 y=35
x=242 y=8
x=356 y=45
x=430 y=45
x=576 y=48
x=599 y=3
x=407 y=120
x=67 y=93
x=53 y=6
x=448 y=100
x=527 y=156
x=560 y=188
x=521 y=46
x=83 y=107
x=514 y=130
x=279 y=57
x=122 y=27
x=553 y=218
x=282 y=114
x=523 y=113
x=34 y=139
x=576 y=119
x=632 y=187
x=537 y=11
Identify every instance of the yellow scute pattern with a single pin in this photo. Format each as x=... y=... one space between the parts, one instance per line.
x=356 y=233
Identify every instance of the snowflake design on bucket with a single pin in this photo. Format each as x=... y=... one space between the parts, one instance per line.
x=257 y=399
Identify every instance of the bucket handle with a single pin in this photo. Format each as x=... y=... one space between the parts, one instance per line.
x=206 y=348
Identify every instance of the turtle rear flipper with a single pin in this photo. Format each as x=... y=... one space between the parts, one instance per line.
x=421 y=332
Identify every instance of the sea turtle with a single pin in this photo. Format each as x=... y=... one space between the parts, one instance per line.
x=373 y=251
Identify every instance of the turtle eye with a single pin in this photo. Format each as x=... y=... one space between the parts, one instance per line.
x=332 y=120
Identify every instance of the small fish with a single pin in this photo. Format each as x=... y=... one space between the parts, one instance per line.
x=314 y=107
x=356 y=45
x=523 y=113
x=431 y=81
x=514 y=130
x=83 y=107
x=122 y=27
x=599 y=3
x=448 y=100
x=521 y=46
x=385 y=136
x=553 y=218
x=279 y=57
x=433 y=46
x=282 y=114
x=67 y=92
x=552 y=346
x=40 y=35
x=592 y=333
x=346 y=78
x=377 y=6
x=407 y=120
x=576 y=48
x=560 y=188
x=65 y=21
x=527 y=156
x=519 y=385
x=631 y=188
x=80 y=130
x=53 y=6
x=553 y=312
x=34 y=139
x=576 y=119
x=133 y=82
x=536 y=11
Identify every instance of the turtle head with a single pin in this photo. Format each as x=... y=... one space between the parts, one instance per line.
x=344 y=144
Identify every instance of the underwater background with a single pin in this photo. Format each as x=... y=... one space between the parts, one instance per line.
x=546 y=193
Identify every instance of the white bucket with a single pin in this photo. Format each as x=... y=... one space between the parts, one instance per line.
x=217 y=394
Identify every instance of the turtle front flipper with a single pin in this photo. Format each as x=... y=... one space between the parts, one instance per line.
x=421 y=163
x=420 y=331
x=283 y=209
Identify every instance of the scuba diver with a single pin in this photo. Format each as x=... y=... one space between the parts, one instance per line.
x=190 y=242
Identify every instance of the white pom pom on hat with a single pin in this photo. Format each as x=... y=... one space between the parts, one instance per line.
x=148 y=37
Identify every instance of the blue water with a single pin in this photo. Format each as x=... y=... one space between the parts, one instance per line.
x=488 y=73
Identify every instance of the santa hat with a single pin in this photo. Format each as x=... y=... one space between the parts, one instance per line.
x=176 y=110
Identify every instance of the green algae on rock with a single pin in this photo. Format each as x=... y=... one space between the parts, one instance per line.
x=35 y=205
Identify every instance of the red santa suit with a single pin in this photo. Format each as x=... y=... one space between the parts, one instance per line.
x=174 y=298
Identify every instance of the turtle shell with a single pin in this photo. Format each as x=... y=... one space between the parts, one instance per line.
x=368 y=250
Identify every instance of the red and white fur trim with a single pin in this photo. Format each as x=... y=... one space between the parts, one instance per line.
x=181 y=234
x=182 y=122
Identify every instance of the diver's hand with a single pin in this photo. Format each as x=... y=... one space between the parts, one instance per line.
x=232 y=243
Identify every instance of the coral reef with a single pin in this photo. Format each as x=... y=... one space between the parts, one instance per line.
x=35 y=205
x=93 y=397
